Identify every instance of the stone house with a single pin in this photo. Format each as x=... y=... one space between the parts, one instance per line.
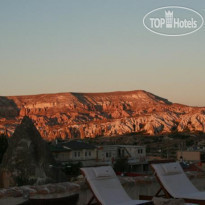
x=191 y=155
x=90 y=155
x=113 y=152
x=136 y=156
x=75 y=151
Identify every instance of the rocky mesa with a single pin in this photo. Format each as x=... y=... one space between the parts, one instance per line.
x=81 y=115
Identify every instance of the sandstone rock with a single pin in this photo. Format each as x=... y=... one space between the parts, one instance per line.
x=28 y=157
x=81 y=115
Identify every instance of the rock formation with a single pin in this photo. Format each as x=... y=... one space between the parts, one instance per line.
x=28 y=158
x=80 y=115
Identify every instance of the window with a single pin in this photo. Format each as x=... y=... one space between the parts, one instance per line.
x=75 y=154
x=119 y=152
x=140 y=151
x=89 y=153
x=78 y=154
x=106 y=154
x=85 y=154
x=123 y=153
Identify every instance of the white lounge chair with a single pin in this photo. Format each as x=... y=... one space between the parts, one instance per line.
x=106 y=187
x=175 y=184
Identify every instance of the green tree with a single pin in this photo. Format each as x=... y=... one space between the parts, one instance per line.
x=189 y=142
x=72 y=169
x=121 y=165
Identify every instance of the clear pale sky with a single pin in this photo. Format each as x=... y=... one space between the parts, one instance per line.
x=49 y=46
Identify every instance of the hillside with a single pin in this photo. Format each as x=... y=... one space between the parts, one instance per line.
x=80 y=115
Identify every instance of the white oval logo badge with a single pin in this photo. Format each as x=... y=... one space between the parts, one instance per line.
x=173 y=21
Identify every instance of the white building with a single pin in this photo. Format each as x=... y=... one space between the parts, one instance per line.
x=113 y=152
x=75 y=151
x=90 y=155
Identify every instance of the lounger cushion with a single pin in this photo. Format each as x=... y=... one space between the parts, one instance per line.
x=108 y=190
x=171 y=169
x=102 y=172
x=177 y=185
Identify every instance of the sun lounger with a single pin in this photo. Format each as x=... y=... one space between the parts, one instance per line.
x=175 y=184
x=106 y=187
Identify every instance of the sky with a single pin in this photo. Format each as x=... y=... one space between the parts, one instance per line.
x=50 y=46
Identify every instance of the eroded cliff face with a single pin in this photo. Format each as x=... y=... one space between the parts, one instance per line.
x=28 y=158
x=80 y=115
